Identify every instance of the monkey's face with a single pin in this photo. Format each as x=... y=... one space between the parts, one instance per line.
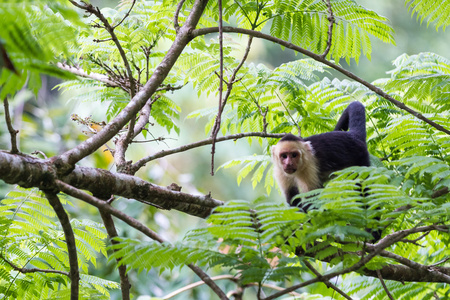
x=290 y=161
x=290 y=155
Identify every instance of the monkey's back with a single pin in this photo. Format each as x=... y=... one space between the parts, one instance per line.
x=337 y=150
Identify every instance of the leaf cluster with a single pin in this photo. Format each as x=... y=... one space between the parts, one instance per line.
x=33 y=240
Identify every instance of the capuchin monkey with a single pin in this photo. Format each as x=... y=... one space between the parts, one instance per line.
x=302 y=165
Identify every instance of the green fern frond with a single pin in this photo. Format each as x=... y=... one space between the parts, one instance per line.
x=421 y=77
x=435 y=11
x=33 y=238
x=239 y=236
x=305 y=23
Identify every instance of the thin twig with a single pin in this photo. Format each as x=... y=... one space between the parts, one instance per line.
x=384 y=285
x=331 y=21
x=68 y=159
x=31 y=270
x=326 y=281
x=140 y=163
x=222 y=103
x=126 y=15
x=416 y=240
x=377 y=90
x=197 y=284
x=96 y=11
x=144 y=115
x=74 y=273
x=176 y=25
x=80 y=72
x=12 y=132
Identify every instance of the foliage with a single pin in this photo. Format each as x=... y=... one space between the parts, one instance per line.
x=33 y=239
x=260 y=244
x=239 y=237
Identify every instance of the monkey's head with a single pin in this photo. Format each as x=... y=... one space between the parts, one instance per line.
x=290 y=153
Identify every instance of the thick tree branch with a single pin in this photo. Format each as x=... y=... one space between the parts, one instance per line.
x=67 y=160
x=74 y=273
x=377 y=90
x=32 y=172
x=140 y=163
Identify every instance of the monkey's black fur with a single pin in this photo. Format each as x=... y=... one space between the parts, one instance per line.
x=339 y=149
x=342 y=148
x=345 y=146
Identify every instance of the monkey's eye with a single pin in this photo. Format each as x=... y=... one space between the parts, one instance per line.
x=283 y=156
x=294 y=155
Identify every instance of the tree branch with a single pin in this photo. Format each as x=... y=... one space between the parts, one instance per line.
x=331 y=21
x=67 y=160
x=384 y=285
x=32 y=270
x=105 y=207
x=74 y=273
x=126 y=15
x=325 y=281
x=89 y=8
x=375 y=89
x=33 y=172
x=223 y=102
x=95 y=76
x=12 y=132
x=140 y=163
x=112 y=232
x=176 y=25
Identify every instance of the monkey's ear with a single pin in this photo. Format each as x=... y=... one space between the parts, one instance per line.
x=308 y=146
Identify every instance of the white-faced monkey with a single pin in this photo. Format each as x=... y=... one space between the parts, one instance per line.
x=302 y=165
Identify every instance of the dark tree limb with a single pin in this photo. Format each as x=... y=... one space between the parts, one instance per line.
x=12 y=132
x=331 y=21
x=319 y=58
x=112 y=232
x=74 y=273
x=325 y=281
x=33 y=172
x=222 y=103
x=384 y=285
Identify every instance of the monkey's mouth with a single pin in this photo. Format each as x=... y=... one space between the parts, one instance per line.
x=290 y=170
